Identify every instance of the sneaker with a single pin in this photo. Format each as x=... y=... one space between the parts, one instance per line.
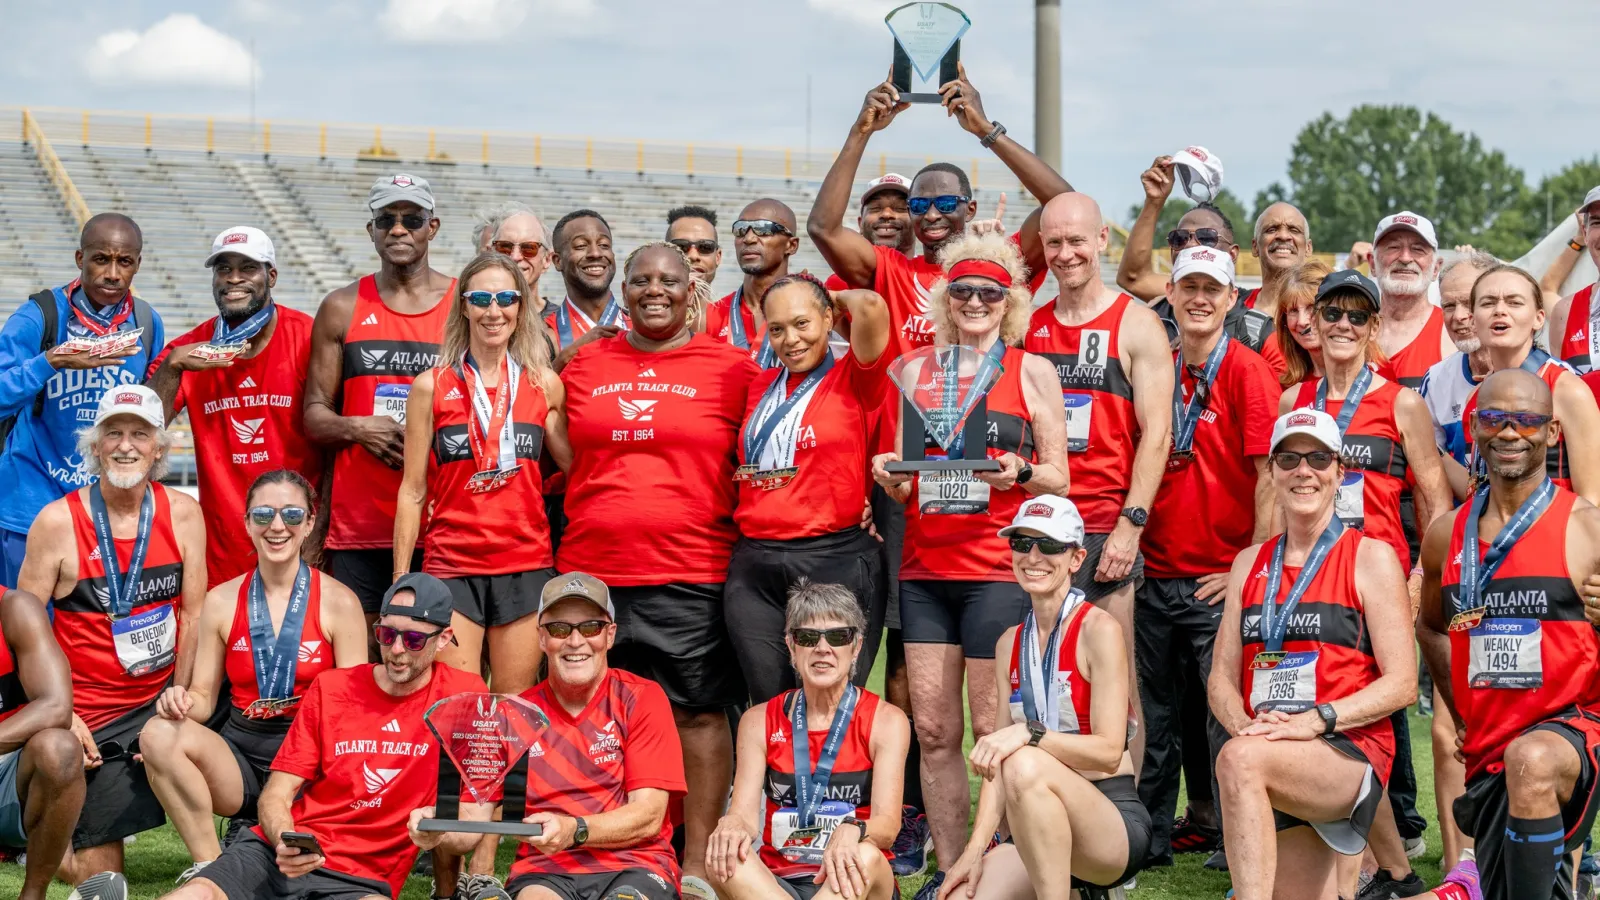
x=236 y=826
x=192 y=871
x=910 y=848
x=1415 y=847
x=102 y=886
x=479 y=887
x=696 y=888
x=1384 y=886
x=1218 y=861
x=930 y=888
x=423 y=865
x=1466 y=874
x=1191 y=837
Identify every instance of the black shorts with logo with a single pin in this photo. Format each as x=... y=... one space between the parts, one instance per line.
x=248 y=869
x=117 y=799
x=644 y=884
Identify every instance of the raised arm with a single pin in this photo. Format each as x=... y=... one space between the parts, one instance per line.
x=1135 y=273
x=41 y=666
x=869 y=324
x=848 y=252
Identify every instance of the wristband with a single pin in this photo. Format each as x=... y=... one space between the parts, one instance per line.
x=1416 y=569
x=989 y=139
x=1575 y=244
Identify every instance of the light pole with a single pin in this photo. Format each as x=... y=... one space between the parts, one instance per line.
x=1047 y=81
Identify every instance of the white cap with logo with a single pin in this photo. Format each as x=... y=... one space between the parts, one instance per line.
x=1313 y=423
x=1200 y=172
x=245 y=241
x=131 y=400
x=1209 y=261
x=892 y=181
x=1411 y=222
x=1054 y=517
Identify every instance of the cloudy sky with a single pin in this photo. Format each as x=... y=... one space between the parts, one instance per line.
x=1140 y=79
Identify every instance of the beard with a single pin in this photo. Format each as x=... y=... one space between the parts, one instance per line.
x=1390 y=286
x=1532 y=461
x=1468 y=345
x=126 y=481
x=256 y=304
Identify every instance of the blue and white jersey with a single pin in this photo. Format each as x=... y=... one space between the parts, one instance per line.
x=1446 y=388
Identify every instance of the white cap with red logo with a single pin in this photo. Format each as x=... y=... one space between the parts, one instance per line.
x=245 y=241
x=131 y=400
x=1054 y=517
x=1410 y=221
x=1313 y=423
x=1209 y=261
x=892 y=181
x=1200 y=172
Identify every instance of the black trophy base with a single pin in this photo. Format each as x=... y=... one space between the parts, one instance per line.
x=522 y=829
x=935 y=465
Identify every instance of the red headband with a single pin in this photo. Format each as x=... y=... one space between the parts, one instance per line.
x=982 y=267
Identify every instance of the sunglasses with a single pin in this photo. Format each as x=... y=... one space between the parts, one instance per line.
x=762 y=228
x=262 y=516
x=529 y=249
x=1358 y=317
x=412 y=221
x=562 y=630
x=414 y=640
x=1289 y=460
x=113 y=750
x=945 y=203
x=1526 y=424
x=988 y=293
x=482 y=299
x=1021 y=543
x=704 y=248
x=837 y=637
x=1202 y=387
x=1179 y=238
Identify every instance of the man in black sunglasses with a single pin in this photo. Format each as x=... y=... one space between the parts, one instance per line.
x=764 y=239
x=693 y=229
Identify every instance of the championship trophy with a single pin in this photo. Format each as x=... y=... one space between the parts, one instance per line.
x=927 y=38
x=483 y=747
x=942 y=392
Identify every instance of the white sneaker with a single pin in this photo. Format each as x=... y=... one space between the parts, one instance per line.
x=192 y=871
x=1415 y=847
x=101 y=886
x=696 y=888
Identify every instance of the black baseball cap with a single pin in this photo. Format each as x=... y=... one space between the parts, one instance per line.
x=1348 y=280
x=428 y=599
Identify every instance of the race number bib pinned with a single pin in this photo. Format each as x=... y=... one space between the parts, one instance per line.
x=390 y=401
x=1505 y=654
x=1350 y=503
x=1079 y=407
x=1285 y=682
x=951 y=492
x=804 y=846
x=146 y=642
x=1093 y=345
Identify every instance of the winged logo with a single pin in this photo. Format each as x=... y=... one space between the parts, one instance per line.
x=636 y=410
x=373 y=358
x=248 y=431
x=378 y=780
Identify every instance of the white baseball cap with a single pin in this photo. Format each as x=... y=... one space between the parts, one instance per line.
x=893 y=181
x=1200 y=172
x=1590 y=198
x=245 y=241
x=131 y=400
x=1408 y=220
x=1218 y=264
x=1313 y=423
x=1054 y=517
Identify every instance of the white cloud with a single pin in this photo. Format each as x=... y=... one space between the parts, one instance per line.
x=179 y=50
x=469 y=21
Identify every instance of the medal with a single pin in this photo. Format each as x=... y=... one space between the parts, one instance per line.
x=228 y=341
x=496 y=466
x=608 y=316
x=1275 y=619
x=811 y=784
x=491 y=479
x=217 y=352
x=276 y=656
x=122 y=592
x=775 y=412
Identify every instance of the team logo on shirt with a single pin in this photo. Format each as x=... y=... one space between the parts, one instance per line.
x=455 y=394
x=309 y=651
x=247 y=383
x=454 y=443
x=636 y=410
x=377 y=780
x=242 y=645
x=373 y=358
x=536 y=750
x=1043 y=332
x=371 y=319
x=648 y=373
x=778 y=737
x=392 y=726
x=1579 y=336
x=94 y=555
x=248 y=431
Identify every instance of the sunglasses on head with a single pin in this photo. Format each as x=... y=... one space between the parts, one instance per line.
x=945 y=203
x=412 y=221
x=482 y=299
x=413 y=640
x=262 y=516
x=1289 y=460
x=562 y=630
x=1527 y=424
x=1179 y=238
x=1358 y=317
x=1022 y=543
x=808 y=637
x=762 y=228
x=988 y=293
x=529 y=249
x=704 y=247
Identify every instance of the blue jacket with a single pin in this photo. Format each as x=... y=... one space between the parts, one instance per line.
x=40 y=462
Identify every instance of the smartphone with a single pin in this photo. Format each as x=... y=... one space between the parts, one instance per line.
x=300 y=840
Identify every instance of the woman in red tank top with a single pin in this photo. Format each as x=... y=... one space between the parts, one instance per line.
x=477 y=427
x=821 y=769
x=1314 y=652
x=1296 y=326
x=313 y=622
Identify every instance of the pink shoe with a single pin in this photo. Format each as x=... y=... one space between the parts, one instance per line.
x=1465 y=874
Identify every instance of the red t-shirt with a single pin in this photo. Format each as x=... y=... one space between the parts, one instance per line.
x=247 y=420
x=1204 y=511
x=650 y=494
x=585 y=765
x=368 y=761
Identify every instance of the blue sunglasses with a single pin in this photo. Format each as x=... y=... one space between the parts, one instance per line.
x=945 y=203
x=482 y=299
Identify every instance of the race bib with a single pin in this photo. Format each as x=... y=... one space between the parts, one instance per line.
x=390 y=400
x=1350 y=503
x=1505 y=654
x=147 y=641
x=804 y=846
x=1284 y=682
x=952 y=492
x=1079 y=409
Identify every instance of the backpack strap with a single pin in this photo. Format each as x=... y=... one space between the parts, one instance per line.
x=46 y=301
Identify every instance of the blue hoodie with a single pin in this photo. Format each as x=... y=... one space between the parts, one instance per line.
x=40 y=462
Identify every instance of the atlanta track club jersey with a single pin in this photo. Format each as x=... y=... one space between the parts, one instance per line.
x=906 y=284
x=1408 y=367
x=247 y=420
x=650 y=494
x=586 y=764
x=314 y=657
x=384 y=351
x=368 y=761
x=1580 y=343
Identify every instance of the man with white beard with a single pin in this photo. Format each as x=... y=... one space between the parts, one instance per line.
x=1405 y=260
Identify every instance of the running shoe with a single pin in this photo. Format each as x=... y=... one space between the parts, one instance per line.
x=1384 y=886
x=1189 y=836
x=1218 y=861
x=192 y=871
x=236 y=826
x=697 y=888
x=930 y=888
x=479 y=887
x=1466 y=874
x=103 y=886
x=910 y=848
x=1415 y=847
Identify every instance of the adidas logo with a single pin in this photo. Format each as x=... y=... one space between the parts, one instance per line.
x=636 y=410
x=377 y=779
x=1579 y=336
x=373 y=357
x=94 y=555
x=535 y=750
x=648 y=373
x=393 y=727
x=778 y=737
x=371 y=319
x=247 y=383
x=308 y=650
x=1043 y=332
x=455 y=394
x=242 y=645
x=248 y=431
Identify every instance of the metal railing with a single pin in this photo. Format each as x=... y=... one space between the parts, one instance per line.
x=33 y=135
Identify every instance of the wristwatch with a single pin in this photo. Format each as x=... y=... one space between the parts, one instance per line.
x=852 y=820
x=1025 y=473
x=1036 y=732
x=1330 y=719
x=1575 y=244
x=989 y=139
x=1138 y=515
x=580 y=833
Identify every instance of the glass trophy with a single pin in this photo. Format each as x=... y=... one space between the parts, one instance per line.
x=483 y=748
x=927 y=46
x=942 y=392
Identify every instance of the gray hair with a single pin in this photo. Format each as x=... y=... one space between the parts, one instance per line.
x=89 y=442
x=1476 y=259
x=809 y=602
x=489 y=220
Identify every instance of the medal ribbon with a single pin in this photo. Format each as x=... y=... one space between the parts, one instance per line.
x=122 y=592
x=608 y=316
x=766 y=358
x=277 y=657
x=1476 y=572
x=988 y=367
x=811 y=785
x=98 y=322
x=222 y=334
x=1275 y=618
x=492 y=420
x=1037 y=675
x=774 y=408
x=1352 y=398
x=1185 y=416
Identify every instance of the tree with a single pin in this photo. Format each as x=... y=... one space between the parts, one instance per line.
x=1178 y=204
x=1346 y=174
x=1542 y=208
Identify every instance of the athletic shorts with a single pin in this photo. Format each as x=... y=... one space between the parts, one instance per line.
x=972 y=614
x=1095 y=543
x=367 y=572
x=1124 y=795
x=117 y=799
x=645 y=884
x=248 y=869
x=254 y=744
x=889 y=520
x=12 y=834
x=675 y=635
x=493 y=600
x=1484 y=812
x=1345 y=836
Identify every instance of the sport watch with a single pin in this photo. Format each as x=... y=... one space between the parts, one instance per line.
x=1025 y=473
x=1036 y=732
x=580 y=833
x=1330 y=719
x=1138 y=515
x=852 y=820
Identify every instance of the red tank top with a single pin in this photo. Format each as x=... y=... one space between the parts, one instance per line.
x=1578 y=341
x=1556 y=464
x=102 y=687
x=453 y=544
x=1530 y=654
x=849 y=790
x=12 y=696
x=953 y=519
x=1369 y=499
x=316 y=650
x=1411 y=364
x=384 y=351
x=1102 y=426
x=1078 y=691
x=1327 y=648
